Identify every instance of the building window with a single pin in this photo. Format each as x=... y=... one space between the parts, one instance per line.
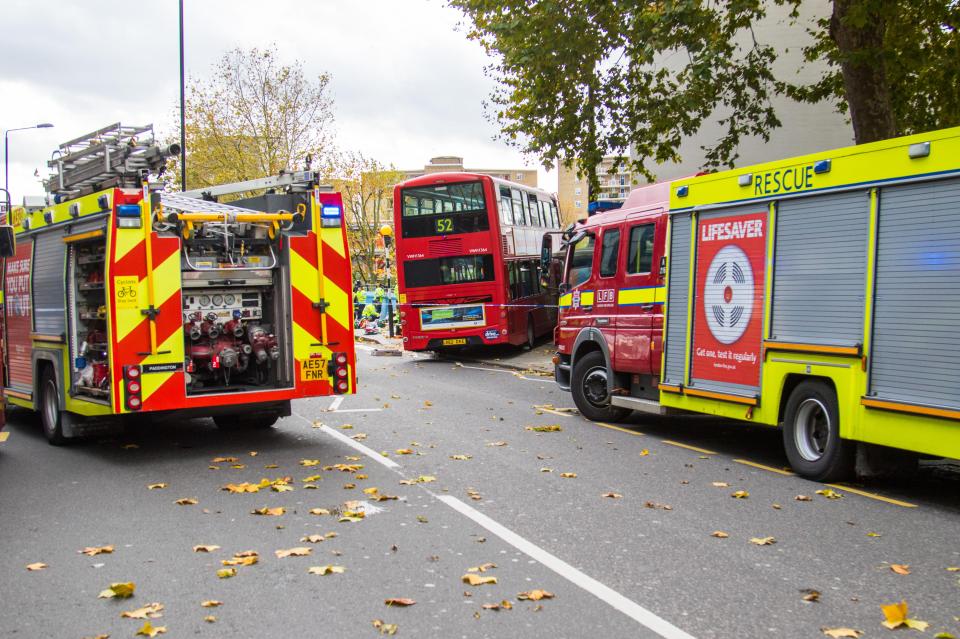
x=519 y=176
x=578 y=204
x=577 y=191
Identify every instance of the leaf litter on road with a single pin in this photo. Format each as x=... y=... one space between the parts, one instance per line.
x=149 y=630
x=150 y=611
x=896 y=615
x=119 y=590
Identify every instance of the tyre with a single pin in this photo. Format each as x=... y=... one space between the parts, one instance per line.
x=531 y=335
x=590 y=389
x=51 y=417
x=811 y=434
x=246 y=422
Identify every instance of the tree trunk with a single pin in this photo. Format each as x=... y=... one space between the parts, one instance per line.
x=862 y=66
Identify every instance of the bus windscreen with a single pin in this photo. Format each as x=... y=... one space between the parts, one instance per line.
x=444 y=209
x=448 y=270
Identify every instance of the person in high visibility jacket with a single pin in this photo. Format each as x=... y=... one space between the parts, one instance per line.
x=370 y=312
x=357 y=302
x=378 y=294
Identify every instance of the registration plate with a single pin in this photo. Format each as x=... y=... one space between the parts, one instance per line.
x=456 y=341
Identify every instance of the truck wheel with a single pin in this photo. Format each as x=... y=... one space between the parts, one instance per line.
x=811 y=434
x=590 y=393
x=51 y=416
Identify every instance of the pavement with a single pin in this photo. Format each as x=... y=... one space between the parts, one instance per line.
x=617 y=522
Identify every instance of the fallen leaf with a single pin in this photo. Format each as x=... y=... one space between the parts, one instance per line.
x=425 y=479
x=422 y=519
x=301 y=551
x=211 y=603
x=241 y=561
x=210 y=618
x=347 y=427
x=644 y=452
x=500 y=443
x=900 y=569
x=829 y=493
x=612 y=495
x=461 y=457
x=158 y=486
x=394 y=396
x=253 y=453
x=186 y=501
x=841 y=633
x=349 y=486
x=653 y=504
x=213 y=467
x=313 y=539
x=150 y=611
x=550 y=428
x=309 y=462
x=312 y=478
x=245 y=487
x=896 y=616
x=351 y=516
x=272 y=512
x=281 y=488
x=763 y=541
x=740 y=494
x=803 y=498
x=482 y=567
x=719 y=534
x=271 y=466
x=120 y=590
x=569 y=475
x=149 y=630
x=223 y=460
x=811 y=595
x=246 y=553
x=503 y=605
x=874 y=534
x=206 y=548
x=535 y=595
x=477 y=580
x=776 y=506
x=319 y=511
x=953 y=569
x=326 y=570
x=404 y=451
x=720 y=484
x=359 y=437
x=399 y=601
x=92 y=551
x=385 y=628
x=546 y=470
x=36 y=566
x=226 y=573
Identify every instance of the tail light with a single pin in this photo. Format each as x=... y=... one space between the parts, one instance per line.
x=339 y=372
x=132 y=387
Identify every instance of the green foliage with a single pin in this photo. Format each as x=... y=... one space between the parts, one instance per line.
x=580 y=79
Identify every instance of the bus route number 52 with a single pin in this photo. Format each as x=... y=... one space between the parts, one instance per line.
x=444 y=225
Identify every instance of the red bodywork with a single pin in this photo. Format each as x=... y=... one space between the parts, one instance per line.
x=620 y=307
x=505 y=315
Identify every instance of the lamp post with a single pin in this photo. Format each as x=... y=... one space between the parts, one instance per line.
x=386 y=232
x=6 y=149
x=183 y=118
x=6 y=211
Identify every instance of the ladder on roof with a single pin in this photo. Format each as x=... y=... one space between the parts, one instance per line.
x=115 y=155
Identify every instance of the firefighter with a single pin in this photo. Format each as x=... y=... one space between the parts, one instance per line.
x=357 y=302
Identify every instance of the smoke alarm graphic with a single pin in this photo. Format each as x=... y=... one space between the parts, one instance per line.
x=728 y=294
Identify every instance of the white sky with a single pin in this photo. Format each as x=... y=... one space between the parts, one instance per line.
x=407 y=84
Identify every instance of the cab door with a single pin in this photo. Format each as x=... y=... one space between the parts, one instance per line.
x=639 y=300
x=576 y=300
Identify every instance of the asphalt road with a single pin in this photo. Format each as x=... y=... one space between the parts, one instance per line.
x=641 y=564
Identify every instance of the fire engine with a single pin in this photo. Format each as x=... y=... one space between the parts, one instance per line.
x=818 y=293
x=122 y=299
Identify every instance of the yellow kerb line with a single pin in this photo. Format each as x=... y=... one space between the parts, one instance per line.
x=762 y=467
x=689 y=447
x=620 y=428
x=863 y=493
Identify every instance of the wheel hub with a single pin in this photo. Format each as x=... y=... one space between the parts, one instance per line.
x=595 y=387
x=812 y=429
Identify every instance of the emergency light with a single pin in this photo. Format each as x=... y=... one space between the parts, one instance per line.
x=330 y=215
x=823 y=166
x=128 y=216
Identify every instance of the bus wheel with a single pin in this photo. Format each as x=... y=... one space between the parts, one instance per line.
x=51 y=416
x=531 y=336
x=811 y=434
x=590 y=390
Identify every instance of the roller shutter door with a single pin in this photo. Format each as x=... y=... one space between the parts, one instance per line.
x=678 y=288
x=49 y=276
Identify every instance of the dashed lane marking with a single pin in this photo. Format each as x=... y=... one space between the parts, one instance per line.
x=356 y=410
x=599 y=590
x=863 y=493
x=604 y=593
x=620 y=428
x=689 y=447
x=779 y=471
x=335 y=404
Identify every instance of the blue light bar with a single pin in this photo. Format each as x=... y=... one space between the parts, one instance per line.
x=128 y=210
x=683 y=191
x=823 y=166
x=330 y=211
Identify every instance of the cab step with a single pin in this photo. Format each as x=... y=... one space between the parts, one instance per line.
x=651 y=406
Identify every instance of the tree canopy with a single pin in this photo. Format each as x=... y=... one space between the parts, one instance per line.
x=581 y=79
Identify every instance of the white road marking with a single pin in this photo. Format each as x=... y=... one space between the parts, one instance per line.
x=606 y=594
x=357 y=410
x=335 y=404
x=506 y=370
x=369 y=452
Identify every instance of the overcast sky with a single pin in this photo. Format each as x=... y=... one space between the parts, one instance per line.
x=407 y=84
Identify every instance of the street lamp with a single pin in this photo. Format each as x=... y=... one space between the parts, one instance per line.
x=386 y=232
x=6 y=149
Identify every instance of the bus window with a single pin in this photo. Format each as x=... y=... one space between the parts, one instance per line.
x=581 y=261
x=527 y=279
x=554 y=217
x=534 y=210
x=514 y=280
x=448 y=270
x=518 y=214
x=640 y=255
x=609 y=252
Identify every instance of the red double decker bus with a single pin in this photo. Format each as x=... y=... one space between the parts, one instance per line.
x=468 y=248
